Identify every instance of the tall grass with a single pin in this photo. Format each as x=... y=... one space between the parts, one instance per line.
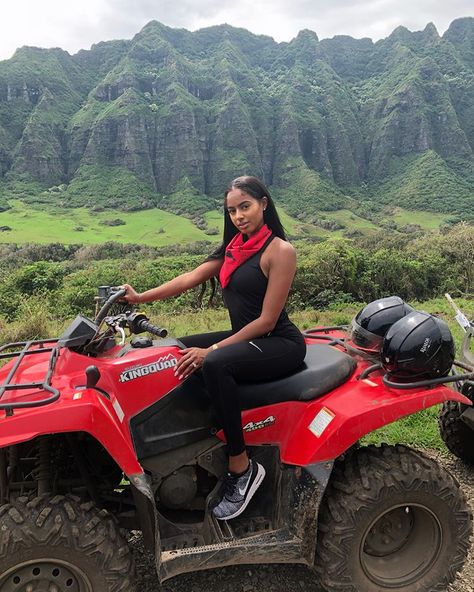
x=35 y=321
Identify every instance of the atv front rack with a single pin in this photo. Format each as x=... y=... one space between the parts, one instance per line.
x=29 y=348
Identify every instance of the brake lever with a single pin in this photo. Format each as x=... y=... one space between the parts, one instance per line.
x=117 y=324
x=122 y=333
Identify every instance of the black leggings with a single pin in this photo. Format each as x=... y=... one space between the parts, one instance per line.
x=260 y=359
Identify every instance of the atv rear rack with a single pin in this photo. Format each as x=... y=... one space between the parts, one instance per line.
x=45 y=385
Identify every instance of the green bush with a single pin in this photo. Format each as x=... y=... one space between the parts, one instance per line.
x=329 y=274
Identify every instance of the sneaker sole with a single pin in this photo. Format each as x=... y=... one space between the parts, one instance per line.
x=253 y=488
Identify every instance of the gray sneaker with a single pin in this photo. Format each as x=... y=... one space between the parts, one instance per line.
x=237 y=491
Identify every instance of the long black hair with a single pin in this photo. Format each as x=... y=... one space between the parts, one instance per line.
x=256 y=189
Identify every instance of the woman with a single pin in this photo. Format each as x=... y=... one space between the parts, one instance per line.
x=256 y=267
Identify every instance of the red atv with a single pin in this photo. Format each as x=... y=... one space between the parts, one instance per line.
x=98 y=436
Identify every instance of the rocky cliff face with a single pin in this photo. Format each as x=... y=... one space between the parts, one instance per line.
x=171 y=106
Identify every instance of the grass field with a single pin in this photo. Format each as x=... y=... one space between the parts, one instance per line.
x=427 y=220
x=350 y=221
x=152 y=227
x=159 y=228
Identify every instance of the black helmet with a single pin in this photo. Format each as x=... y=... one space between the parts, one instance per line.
x=374 y=320
x=418 y=347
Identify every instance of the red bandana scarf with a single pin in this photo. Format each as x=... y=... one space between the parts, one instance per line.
x=238 y=251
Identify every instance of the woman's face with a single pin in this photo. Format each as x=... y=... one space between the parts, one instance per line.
x=245 y=211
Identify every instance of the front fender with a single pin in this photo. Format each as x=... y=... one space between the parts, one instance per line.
x=80 y=411
x=333 y=423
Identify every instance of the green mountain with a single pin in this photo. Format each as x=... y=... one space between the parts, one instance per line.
x=169 y=117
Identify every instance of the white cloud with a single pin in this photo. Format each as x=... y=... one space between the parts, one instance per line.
x=75 y=25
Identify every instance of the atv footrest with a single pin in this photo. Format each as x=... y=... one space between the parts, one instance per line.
x=239 y=528
x=276 y=546
x=220 y=530
x=182 y=542
x=245 y=528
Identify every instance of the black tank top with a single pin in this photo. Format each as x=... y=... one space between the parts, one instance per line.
x=244 y=294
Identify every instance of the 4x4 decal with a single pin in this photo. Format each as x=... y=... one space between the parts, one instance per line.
x=251 y=426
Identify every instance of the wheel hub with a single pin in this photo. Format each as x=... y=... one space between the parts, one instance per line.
x=45 y=575
x=401 y=545
x=390 y=533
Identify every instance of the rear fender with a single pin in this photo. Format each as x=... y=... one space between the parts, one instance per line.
x=334 y=423
x=80 y=411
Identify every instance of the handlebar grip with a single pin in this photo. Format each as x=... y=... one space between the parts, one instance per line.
x=147 y=326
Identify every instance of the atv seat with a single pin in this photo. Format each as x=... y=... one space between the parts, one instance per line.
x=186 y=415
x=324 y=368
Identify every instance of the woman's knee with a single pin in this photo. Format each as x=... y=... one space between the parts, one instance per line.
x=213 y=362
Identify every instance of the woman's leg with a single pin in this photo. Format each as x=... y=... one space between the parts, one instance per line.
x=260 y=359
x=204 y=339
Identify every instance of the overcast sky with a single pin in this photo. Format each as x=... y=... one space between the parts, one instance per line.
x=78 y=24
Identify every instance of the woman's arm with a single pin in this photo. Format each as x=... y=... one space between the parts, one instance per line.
x=178 y=285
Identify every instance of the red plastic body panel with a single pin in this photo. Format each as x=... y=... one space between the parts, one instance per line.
x=357 y=408
x=137 y=378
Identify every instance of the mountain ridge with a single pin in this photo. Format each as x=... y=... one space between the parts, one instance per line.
x=172 y=110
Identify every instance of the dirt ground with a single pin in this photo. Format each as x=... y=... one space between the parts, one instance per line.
x=283 y=578
x=465 y=476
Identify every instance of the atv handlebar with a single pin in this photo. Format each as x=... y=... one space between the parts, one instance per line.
x=116 y=294
x=147 y=326
x=135 y=321
x=138 y=323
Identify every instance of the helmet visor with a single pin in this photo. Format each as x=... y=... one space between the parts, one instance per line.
x=363 y=338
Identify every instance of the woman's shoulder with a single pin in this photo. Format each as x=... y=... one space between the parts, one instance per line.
x=280 y=254
x=282 y=247
x=279 y=251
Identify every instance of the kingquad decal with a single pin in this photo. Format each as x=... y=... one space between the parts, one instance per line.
x=251 y=426
x=168 y=361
